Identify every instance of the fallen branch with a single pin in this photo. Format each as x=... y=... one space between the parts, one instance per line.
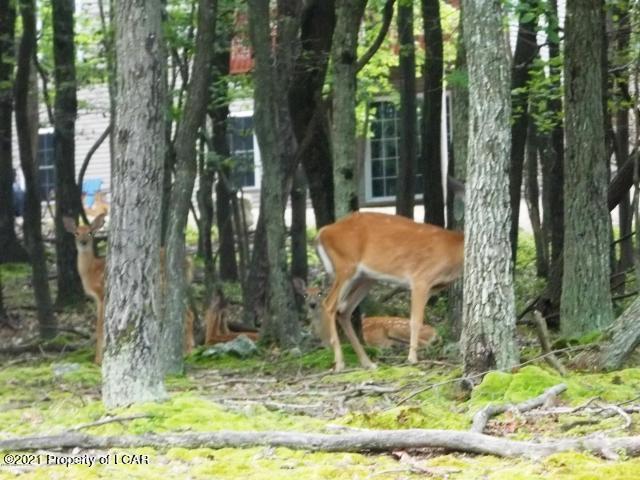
x=372 y=440
x=42 y=347
x=545 y=343
x=481 y=418
x=105 y=421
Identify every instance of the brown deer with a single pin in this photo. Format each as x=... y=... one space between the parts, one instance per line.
x=91 y=270
x=363 y=248
x=381 y=332
x=92 y=274
x=216 y=326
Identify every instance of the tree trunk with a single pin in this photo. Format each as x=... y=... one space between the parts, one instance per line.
x=132 y=369
x=525 y=52
x=432 y=114
x=405 y=193
x=310 y=121
x=3 y=311
x=205 y=207
x=488 y=336
x=586 y=300
x=344 y=55
x=192 y=119
x=458 y=169
x=299 y=265
x=65 y=110
x=532 y=196
x=26 y=128
x=227 y=257
x=254 y=301
x=10 y=248
x=621 y=339
x=277 y=147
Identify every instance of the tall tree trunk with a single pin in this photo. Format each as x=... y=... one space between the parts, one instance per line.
x=299 y=265
x=3 y=311
x=277 y=147
x=186 y=168
x=532 y=197
x=525 y=52
x=65 y=111
x=344 y=55
x=621 y=339
x=405 y=193
x=132 y=370
x=586 y=300
x=488 y=336
x=26 y=128
x=224 y=219
x=458 y=168
x=10 y=248
x=432 y=114
x=310 y=120
x=254 y=301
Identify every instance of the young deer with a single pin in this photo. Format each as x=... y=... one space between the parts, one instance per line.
x=363 y=248
x=91 y=270
x=381 y=332
x=217 y=329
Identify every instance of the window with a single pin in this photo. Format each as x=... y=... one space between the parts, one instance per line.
x=242 y=151
x=46 y=166
x=384 y=152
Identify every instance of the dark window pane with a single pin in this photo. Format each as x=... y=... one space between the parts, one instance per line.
x=377 y=188
x=390 y=167
x=376 y=168
x=390 y=184
x=375 y=149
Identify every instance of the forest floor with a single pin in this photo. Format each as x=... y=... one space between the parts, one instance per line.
x=45 y=392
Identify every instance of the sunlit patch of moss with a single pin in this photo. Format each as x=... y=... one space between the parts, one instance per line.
x=230 y=362
x=436 y=415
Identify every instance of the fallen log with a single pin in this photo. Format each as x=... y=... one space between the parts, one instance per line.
x=481 y=418
x=359 y=441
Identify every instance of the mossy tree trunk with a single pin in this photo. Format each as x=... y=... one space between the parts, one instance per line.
x=343 y=134
x=586 y=300
x=132 y=369
x=621 y=339
x=488 y=335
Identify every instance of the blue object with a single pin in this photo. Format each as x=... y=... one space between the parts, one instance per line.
x=89 y=188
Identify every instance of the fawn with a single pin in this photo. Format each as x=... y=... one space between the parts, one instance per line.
x=217 y=329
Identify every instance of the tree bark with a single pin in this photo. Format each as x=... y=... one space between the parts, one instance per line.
x=310 y=120
x=532 y=196
x=621 y=339
x=277 y=147
x=525 y=52
x=32 y=216
x=65 y=110
x=405 y=193
x=132 y=369
x=192 y=119
x=299 y=264
x=586 y=300
x=488 y=336
x=432 y=114
x=343 y=135
x=10 y=248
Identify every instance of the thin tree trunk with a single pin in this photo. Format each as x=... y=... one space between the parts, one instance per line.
x=405 y=193
x=277 y=147
x=432 y=114
x=310 y=121
x=26 y=127
x=586 y=300
x=205 y=207
x=65 y=111
x=3 y=311
x=254 y=302
x=488 y=336
x=299 y=264
x=186 y=168
x=10 y=248
x=132 y=370
x=525 y=52
x=532 y=196
x=344 y=56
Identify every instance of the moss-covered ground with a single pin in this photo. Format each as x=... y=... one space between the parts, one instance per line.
x=47 y=396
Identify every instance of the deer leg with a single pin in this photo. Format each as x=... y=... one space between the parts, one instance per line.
x=330 y=309
x=419 y=296
x=359 y=291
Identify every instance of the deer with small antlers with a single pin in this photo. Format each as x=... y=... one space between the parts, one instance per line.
x=381 y=332
x=363 y=248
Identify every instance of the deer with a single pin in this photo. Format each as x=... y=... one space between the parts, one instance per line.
x=363 y=248
x=381 y=332
x=216 y=327
x=92 y=273
x=91 y=270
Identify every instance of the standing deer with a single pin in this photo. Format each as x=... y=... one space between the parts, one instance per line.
x=91 y=270
x=363 y=248
x=381 y=332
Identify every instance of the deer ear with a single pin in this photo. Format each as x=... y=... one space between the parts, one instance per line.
x=299 y=285
x=98 y=222
x=69 y=224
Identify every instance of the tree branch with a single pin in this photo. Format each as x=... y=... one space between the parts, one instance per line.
x=387 y=16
